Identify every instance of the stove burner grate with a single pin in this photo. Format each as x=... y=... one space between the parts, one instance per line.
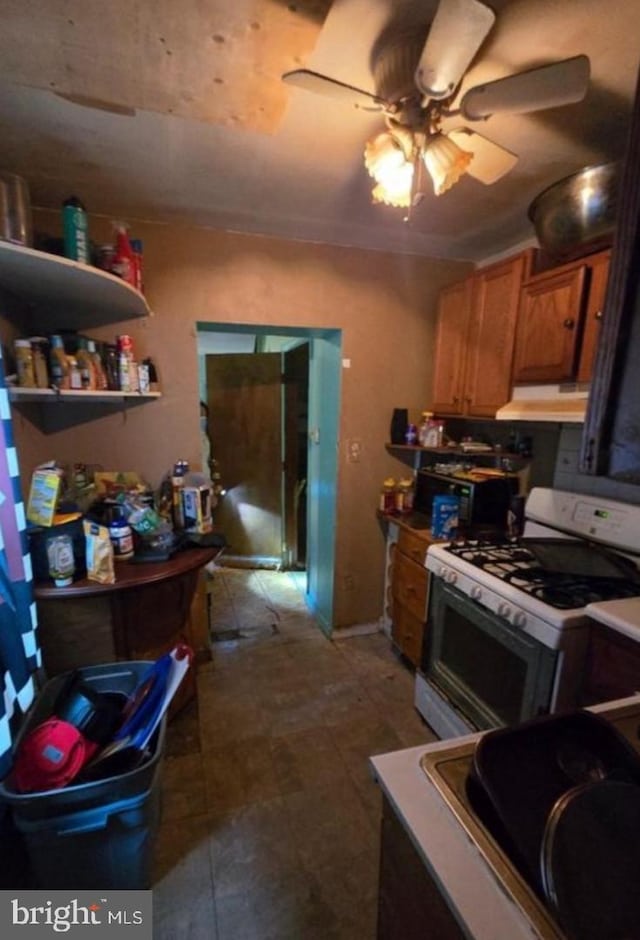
x=514 y=563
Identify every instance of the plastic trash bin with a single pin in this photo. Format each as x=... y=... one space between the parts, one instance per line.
x=99 y=834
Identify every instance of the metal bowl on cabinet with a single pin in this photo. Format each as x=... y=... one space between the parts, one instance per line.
x=578 y=212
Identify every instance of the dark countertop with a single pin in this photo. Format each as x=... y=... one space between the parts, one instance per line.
x=130 y=575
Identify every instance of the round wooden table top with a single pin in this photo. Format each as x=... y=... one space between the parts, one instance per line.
x=130 y=574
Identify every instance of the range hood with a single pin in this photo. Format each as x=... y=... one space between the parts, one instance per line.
x=566 y=404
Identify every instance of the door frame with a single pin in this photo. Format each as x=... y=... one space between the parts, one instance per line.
x=325 y=351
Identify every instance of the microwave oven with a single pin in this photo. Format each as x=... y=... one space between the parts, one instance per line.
x=482 y=502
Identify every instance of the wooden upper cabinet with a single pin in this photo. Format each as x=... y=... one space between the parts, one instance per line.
x=475 y=341
x=599 y=275
x=559 y=322
x=492 y=335
x=454 y=314
x=549 y=326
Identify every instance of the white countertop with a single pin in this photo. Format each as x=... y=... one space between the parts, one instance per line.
x=622 y=615
x=481 y=905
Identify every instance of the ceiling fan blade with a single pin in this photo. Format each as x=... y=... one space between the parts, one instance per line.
x=549 y=86
x=332 y=88
x=456 y=33
x=490 y=160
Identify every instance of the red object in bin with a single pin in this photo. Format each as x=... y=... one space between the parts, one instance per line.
x=50 y=756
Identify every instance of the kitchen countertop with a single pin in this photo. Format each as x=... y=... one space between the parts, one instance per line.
x=622 y=615
x=467 y=879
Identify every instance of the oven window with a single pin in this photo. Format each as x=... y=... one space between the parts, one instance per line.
x=491 y=672
x=496 y=674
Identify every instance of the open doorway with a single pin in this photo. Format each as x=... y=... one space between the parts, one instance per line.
x=273 y=396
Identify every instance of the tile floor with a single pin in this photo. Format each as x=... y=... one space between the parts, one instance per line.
x=270 y=816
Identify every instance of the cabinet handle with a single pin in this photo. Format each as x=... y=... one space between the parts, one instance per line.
x=468 y=399
x=569 y=323
x=597 y=315
x=455 y=399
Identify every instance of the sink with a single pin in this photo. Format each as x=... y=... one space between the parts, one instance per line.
x=447 y=769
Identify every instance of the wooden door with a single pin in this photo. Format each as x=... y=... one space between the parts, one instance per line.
x=492 y=335
x=296 y=428
x=598 y=276
x=549 y=327
x=454 y=312
x=245 y=413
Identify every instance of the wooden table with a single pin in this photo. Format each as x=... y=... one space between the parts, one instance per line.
x=142 y=615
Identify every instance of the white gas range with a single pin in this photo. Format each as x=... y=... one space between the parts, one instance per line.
x=508 y=629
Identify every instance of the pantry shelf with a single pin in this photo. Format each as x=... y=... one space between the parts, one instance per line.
x=68 y=294
x=51 y=396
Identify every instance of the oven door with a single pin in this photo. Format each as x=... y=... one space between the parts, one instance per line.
x=491 y=672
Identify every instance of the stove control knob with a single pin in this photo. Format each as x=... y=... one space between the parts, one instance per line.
x=451 y=577
x=475 y=593
x=519 y=619
x=442 y=571
x=504 y=610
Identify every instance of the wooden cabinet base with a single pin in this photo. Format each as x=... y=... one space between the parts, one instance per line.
x=410 y=906
x=147 y=612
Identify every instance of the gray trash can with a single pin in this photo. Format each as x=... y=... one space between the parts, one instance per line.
x=99 y=834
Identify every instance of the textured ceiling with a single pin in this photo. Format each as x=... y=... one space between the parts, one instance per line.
x=193 y=122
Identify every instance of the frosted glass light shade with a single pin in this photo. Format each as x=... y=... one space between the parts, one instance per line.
x=445 y=162
x=385 y=160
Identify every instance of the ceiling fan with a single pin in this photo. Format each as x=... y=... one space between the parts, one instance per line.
x=415 y=99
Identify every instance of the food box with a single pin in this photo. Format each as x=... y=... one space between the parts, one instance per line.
x=43 y=496
x=444 y=517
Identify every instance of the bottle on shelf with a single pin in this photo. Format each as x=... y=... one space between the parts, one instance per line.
x=99 y=370
x=75 y=230
x=25 y=367
x=423 y=430
x=59 y=364
x=411 y=437
x=123 y=263
x=40 y=350
x=136 y=249
x=75 y=375
x=112 y=368
x=86 y=365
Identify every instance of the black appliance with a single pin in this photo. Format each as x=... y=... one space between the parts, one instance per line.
x=483 y=501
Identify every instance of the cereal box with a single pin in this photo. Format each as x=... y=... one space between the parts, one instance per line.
x=444 y=517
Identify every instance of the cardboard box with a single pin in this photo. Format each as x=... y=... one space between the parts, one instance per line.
x=444 y=517
x=43 y=496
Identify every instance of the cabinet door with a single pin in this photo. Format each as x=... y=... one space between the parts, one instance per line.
x=410 y=585
x=407 y=632
x=492 y=337
x=454 y=312
x=548 y=327
x=598 y=276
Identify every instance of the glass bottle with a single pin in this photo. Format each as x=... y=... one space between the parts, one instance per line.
x=60 y=558
x=59 y=364
x=24 y=363
x=112 y=368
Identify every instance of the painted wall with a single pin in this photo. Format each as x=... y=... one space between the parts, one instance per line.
x=385 y=306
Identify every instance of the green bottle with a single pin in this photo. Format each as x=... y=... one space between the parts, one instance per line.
x=75 y=230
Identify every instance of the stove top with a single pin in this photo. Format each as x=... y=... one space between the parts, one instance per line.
x=563 y=574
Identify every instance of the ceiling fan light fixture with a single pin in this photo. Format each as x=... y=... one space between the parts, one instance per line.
x=386 y=161
x=445 y=161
